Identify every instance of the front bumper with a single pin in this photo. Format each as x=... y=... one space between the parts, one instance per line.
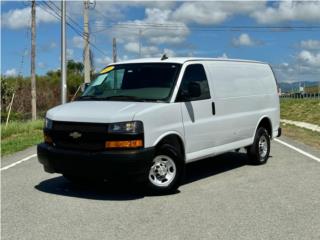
x=107 y=164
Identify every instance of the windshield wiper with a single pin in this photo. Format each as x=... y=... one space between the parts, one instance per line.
x=89 y=97
x=123 y=97
x=116 y=97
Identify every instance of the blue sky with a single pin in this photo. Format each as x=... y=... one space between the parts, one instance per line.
x=177 y=28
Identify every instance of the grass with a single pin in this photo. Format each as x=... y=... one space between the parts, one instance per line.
x=20 y=135
x=305 y=136
x=305 y=110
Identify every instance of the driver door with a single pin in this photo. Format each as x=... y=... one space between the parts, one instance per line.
x=197 y=112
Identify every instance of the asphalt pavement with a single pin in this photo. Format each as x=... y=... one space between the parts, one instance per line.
x=221 y=198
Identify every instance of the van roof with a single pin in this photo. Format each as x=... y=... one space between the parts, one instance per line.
x=182 y=60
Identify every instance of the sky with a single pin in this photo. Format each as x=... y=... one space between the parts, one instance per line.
x=255 y=30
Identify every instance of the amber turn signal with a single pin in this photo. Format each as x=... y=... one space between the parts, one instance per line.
x=47 y=138
x=124 y=144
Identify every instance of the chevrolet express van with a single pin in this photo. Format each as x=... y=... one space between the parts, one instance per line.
x=146 y=119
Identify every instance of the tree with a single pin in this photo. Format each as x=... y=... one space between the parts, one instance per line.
x=74 y=67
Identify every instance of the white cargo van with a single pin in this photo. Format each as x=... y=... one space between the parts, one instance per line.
x=148 y=118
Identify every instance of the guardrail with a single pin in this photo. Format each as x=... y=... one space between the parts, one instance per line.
x=301 y=96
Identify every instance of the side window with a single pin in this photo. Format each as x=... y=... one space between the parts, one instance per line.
x=194 y=73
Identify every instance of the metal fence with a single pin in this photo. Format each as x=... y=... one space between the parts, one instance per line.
x=301 y=95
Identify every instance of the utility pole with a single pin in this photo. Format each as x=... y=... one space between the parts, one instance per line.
x=33 y=61
x=87 y=64
x=114 y=50
x=63 y=53
x=140 y=36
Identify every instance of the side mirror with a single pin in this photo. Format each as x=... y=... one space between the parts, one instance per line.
x=84 y=86
x=194 y=90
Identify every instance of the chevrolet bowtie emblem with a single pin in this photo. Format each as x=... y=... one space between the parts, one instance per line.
x=75 y=135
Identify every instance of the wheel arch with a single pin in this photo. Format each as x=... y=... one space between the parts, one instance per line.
x=265 y=122
x=173 y=138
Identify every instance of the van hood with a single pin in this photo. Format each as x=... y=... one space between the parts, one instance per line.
x=98 y=111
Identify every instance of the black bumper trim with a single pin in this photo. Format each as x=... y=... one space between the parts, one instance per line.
x=108 y=164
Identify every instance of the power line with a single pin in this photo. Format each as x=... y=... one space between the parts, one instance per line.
x=68 y=16
x=220 y=26
x=156 y=26
x=57 y=15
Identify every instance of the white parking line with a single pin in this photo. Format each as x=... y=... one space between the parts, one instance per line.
x=298 y=150
x=18 y=162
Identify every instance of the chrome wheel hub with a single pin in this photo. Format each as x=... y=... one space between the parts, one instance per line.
x=162 y=171
x=263 y=146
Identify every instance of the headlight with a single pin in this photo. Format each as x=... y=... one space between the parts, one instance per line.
x=126 y=127
x=48 y=123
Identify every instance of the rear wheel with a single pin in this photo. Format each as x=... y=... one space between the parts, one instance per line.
x=259 y=151
x=166 y=170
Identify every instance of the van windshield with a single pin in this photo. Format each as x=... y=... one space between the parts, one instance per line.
x=134 y=82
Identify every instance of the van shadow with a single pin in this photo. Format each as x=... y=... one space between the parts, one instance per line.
x=126 y=191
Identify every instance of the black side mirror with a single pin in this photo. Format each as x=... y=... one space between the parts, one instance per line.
x=84 y=86
x=194 y=90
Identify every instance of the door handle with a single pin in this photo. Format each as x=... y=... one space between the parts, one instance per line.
x=213 y=109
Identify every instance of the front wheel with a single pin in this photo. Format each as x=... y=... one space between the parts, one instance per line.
x=166 y=170
x=259 y=151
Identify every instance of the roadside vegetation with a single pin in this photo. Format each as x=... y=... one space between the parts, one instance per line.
x=48 y=92
x=304 y=110
x=20 y=135
x=305 y=136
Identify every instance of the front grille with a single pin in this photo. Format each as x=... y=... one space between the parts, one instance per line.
x=79 y=136
x=75 y=126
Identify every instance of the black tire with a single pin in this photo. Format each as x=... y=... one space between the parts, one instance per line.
x=169 y=152
x=259 y=151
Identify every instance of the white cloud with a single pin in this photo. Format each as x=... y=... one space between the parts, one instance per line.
x=309 y=59
x=11 y=72
x=296 y=72
x=46 y=47
x=124 y=58
x=132 y=47
x=103 y=61
x=53 y=45
x=288 y=11
x=310 y=44
x=214 y=12
x=41 y=65
x=175 y=32
x=77 y=42
x=20 y=18
x=108 y=10
x=285 y=64
x=148 y=51
x=70 y=54
x=169 y=52
x=244 y=40
x=223 y=56
x=153 y=4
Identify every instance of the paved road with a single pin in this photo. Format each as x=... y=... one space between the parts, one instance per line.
x=222 y=198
